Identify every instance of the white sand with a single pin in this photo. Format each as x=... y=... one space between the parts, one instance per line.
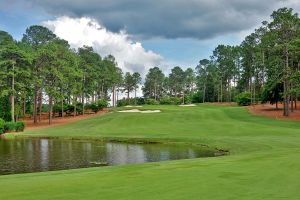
x=139 y=111
x=188 y=105
x=133 y=106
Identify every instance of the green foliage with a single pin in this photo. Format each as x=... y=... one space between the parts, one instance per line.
x=165 y=100
x=102 y=103
x=272 y=92
x=14 y=126
x=197 y=97
x=243 y=99
x=151 y=102
x=131 y=101
x=9 y=126
x=19 y=126
x=2 y=126
x=98 y=105
x=188 y=99
x=175 y=100
x=5 y=108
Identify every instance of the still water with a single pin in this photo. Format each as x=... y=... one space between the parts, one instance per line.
x=35 y=155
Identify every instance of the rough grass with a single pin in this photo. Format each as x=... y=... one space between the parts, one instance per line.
x=264 y=161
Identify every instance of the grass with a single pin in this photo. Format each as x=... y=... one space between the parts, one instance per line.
x=264 y=161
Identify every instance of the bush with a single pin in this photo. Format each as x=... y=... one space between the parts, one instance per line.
x=243 y=99
x=131 y=101
x=187 y=99
x=14 y=126
x=97 y=106
x=151 y=102
x=2 y=124
x=197 y=97
x=19 y=126
x=92 y=106
x=165 y=100
x=9 y=126
x=102 y=103
x=5 y=109
x=175 y=100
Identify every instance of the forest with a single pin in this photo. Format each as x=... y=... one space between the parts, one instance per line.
x=42 y=73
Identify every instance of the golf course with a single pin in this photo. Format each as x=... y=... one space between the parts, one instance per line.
x=262 y=163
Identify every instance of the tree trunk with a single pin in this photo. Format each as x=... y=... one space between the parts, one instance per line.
x=35 y=105
x=155 y=91
x=75 y=108
x=221 y=91
x=134 y=96
x=291 y=102
x=40 y=104
x=114 y=96
x=13 y=96
x=24 y=106
x=286 y=86
x=62 y=108
x=82 y=101
x=203 y=96
x=50 y=109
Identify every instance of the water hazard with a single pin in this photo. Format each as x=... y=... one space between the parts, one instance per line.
x=36 y=155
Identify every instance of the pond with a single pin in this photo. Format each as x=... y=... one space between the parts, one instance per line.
x=36 y=155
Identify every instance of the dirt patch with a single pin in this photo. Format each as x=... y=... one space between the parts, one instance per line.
x=44 y=123
x=139 y=111
x=271 y=111
x=133 y=106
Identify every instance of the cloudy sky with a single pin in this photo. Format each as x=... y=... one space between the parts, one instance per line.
x=143 y=33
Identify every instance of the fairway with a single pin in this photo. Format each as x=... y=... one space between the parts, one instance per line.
x=264 y=160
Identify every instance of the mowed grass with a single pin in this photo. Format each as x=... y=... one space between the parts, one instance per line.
x=264 y=160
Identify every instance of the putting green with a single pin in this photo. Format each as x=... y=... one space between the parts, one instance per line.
x=264 y=161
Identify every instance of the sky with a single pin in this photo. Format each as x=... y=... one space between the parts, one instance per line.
x=144 y=33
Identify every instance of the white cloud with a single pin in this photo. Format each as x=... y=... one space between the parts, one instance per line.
x=130 y=55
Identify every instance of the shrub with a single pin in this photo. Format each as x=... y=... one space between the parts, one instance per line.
x=197 y=97
x=131 y=101
x=102 y=103
x=92 y=106
x=243 y=99
x=187 y=99
x=9 y=126
x=122 y=102
x=151 y=102
x=2 y=124
x=14 y=126
x=5 y=109
x=165 y=100
x=175 y=100
x=20 y=126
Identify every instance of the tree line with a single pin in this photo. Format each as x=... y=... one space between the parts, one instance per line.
x=264 y=67
x=44 y=68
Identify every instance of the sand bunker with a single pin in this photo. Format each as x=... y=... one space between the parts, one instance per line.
x=188 y=105
x=133 y=106
x=139 y=111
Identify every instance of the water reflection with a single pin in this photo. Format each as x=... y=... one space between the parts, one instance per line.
x=33 y=155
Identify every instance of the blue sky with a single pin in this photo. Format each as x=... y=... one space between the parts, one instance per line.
x=180 y=32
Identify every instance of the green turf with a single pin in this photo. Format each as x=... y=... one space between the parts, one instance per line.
x=264 y=161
